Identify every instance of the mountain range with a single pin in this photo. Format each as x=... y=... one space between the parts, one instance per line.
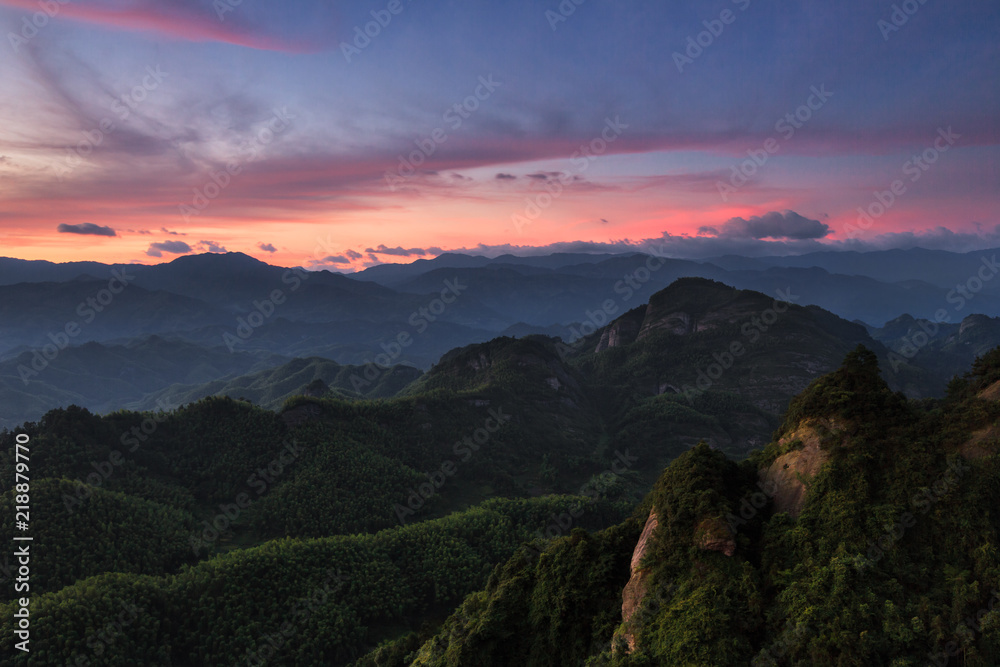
x=513 y=506
x=235 y=315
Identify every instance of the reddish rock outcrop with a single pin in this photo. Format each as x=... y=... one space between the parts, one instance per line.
x=635 y=589
x=791 y=472
x=714 y=535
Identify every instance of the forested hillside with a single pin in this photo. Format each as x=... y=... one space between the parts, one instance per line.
x=638 y=469
x=863 y=534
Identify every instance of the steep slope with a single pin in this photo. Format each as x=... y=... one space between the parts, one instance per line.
x=547 y=402
x=704 y=361
x=886 y=557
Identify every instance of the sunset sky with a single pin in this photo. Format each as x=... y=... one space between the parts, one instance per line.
x=139 y=131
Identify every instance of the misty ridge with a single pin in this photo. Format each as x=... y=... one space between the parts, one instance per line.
x=428 y=452
x=208 y=324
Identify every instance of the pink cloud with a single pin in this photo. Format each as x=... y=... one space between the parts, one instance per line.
x=158 y=18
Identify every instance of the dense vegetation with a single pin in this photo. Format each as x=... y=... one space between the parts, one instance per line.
x=337 y=595
x=893 y=559
x=488 y=513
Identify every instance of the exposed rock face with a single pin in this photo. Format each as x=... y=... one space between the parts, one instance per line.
x=714 y=535
x=790 y=472
x=679 y=323
x=622 y=331
x=972 y=321
x=635 y=589
x=692 y=305
x=480 y=363
x=991 y=393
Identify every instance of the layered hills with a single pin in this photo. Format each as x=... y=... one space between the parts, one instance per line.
x=718 y=476
x=411 y=315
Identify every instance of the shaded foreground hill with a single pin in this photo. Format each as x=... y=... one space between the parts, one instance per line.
x=887 y=556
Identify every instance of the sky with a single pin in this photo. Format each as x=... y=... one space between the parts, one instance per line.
x=341 y=135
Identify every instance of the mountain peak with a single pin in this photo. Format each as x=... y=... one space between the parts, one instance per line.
x=216 y=259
